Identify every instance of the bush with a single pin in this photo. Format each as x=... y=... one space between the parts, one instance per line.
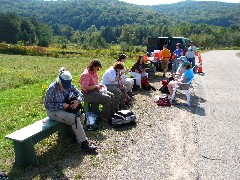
x=19 y=49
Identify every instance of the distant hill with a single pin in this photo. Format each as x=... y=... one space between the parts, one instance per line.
x=207 y=12
x=81 y=14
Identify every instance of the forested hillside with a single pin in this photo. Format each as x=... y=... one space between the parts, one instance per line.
x=81 y=14
x=211 y=12
x=98 y=23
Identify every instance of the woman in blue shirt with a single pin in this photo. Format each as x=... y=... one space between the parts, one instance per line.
x=185 y=78
x=177 y=53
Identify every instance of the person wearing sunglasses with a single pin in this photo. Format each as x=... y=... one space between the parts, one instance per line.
x=95 y=92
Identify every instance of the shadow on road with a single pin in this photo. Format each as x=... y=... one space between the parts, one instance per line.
x=195 y=107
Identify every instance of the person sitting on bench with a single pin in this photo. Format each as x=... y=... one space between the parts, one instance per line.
x=93 y=91
x=56 y=107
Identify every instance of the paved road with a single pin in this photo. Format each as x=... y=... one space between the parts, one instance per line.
x=217 y=118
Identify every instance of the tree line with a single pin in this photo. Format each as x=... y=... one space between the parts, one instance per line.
x=207 y=12
x=100 y=23
x=14 y=28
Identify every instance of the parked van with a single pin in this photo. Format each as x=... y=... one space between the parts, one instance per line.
x=157 y=43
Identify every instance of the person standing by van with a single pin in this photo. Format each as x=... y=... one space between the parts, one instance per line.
x=165 y=59
x=191 y=52
x=177 y=53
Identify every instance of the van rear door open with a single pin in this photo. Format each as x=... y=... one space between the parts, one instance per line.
x=157 y=43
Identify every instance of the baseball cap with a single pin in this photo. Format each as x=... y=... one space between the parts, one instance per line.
x=186 y=63
x=66 y=79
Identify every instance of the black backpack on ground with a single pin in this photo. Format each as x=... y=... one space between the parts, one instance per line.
x=123 y=117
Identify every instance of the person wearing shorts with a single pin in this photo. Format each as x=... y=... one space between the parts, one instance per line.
x=165 y=59
x=185 y=78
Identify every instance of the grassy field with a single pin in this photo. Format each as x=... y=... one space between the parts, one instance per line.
x=23 y=82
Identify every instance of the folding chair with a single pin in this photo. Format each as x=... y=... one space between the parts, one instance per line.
x=186 y=90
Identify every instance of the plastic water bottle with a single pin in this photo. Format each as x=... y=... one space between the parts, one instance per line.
x=82 y=118
x=91 y=124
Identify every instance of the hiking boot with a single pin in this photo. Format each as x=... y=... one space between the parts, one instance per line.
x=88 y=148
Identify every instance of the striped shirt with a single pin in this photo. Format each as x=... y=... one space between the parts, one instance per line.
x=54 y=98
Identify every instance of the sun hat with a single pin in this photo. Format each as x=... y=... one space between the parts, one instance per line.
x=66 y=78
x=186 y=63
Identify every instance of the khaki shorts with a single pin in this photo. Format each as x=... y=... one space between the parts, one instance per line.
x=164 y=64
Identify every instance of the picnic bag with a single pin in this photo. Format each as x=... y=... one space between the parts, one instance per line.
x=164 y=101
x=71 y=97
x=164 y=88
x=146 y=85
x=123 y=117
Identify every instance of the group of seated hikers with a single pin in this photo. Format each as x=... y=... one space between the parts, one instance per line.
x=113 y=92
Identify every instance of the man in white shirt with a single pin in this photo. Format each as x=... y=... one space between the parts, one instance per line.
x=191 y=52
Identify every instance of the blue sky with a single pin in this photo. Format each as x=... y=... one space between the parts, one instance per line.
x=154 y=2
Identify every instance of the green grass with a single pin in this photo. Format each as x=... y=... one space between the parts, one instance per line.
x=23 y=82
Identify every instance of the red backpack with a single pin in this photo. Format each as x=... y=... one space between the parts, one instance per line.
x=145 y=84
x=163 y=101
